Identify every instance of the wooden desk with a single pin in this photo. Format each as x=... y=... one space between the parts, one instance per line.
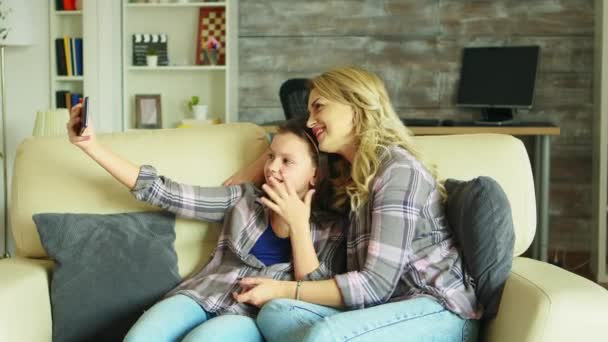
x=542 y=166
x=542 y=161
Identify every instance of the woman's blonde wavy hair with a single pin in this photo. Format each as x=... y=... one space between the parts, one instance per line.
x=376 y=126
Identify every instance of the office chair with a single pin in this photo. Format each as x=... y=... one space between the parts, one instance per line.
x=294 y=98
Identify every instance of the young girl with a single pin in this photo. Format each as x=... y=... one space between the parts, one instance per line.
x=400 y=251
x=254 y=241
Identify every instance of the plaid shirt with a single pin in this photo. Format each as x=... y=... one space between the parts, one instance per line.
x=399 y=245
x=244 y=220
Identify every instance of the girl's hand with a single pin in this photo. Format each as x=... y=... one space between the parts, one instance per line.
x=258 y=291
x=87 y=139
x=285 y=201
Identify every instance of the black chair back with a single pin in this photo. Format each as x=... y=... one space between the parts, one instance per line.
x=294 y=98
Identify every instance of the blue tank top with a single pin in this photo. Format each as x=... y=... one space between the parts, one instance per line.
x=271 y=249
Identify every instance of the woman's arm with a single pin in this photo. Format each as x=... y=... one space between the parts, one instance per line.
x=261 y=290
x=205 y=203
x=398 y=195
x=329 y=242
x=253 y=173
x=305 y=260
x=322 y=292
x=123 y=170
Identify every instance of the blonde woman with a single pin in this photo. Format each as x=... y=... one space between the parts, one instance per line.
x=404 y=276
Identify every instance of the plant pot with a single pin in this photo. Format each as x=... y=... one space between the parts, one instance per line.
x=151 y=61
x=199 y=112
x=211 y=56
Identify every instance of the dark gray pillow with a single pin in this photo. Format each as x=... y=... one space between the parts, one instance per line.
x=480 y=215
x=108 y=270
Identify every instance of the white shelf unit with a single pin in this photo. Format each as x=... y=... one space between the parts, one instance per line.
x=600 y=145
x=216 y=86
x=178 y=4
x=63 y=23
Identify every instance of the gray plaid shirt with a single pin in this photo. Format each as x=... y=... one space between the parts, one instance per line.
x=244 y=219
x=400 y=246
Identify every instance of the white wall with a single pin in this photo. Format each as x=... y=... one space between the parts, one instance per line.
x=28 y=75
x=27 y=88
x=103 y=58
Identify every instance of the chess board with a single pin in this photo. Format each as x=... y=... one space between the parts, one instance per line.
x=212 y=22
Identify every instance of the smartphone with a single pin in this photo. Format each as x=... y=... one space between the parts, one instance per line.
x=84 y=116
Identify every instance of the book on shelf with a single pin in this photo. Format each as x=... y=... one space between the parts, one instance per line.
x=72 y=55
x=60 y=99
x=68 y=55
x=78 y=54
x=67 y=5
x=66 y=99
x=62 y=69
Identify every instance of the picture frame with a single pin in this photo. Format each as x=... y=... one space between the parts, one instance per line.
x=148 y=113
x=211 y=23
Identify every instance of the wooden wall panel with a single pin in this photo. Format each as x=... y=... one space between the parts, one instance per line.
x=415 y=46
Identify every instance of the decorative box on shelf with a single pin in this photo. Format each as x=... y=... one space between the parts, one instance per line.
x=145 y=42
x=188 y=123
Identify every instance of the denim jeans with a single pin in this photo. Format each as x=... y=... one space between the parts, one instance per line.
x=417 y=319
x=179 y=318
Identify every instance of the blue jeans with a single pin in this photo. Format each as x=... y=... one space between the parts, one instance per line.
x=179 y=318
x=417 y=319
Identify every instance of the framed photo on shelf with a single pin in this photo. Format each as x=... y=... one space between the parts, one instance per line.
x=211 y=37
x=148 y=112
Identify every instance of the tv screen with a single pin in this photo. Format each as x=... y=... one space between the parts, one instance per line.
x=499 y=77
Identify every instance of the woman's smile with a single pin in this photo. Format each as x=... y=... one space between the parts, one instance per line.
x=317 y=131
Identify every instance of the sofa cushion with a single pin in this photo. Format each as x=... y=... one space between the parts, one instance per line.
x=479 y=213
x=109 y=269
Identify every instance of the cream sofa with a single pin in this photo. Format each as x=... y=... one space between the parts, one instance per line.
x=540 y=303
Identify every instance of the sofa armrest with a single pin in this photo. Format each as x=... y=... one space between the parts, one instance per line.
x=25 y=305
x=542 y=303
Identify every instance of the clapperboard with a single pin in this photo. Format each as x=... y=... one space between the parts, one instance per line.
x=144 y=41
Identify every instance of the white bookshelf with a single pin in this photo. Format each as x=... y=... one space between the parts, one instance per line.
x=600 y=145
x=68 y=13
x=179 y=68
x=215 y=85
x=177 y=4
x=63 y=23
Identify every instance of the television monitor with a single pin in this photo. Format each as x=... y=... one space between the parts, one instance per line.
x=498 y=80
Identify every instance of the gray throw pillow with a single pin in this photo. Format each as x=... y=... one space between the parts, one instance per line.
x=479 y=213
x=108 y=270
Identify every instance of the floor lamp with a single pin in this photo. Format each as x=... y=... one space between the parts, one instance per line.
x=15 y=30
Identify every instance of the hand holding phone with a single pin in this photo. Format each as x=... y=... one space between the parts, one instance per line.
x=84 y=117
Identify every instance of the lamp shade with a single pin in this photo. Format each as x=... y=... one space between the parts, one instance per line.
x=51 y=122
x=16 y=25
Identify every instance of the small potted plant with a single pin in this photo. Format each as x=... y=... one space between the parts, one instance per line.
x=213 y=50
x=151 y=57
x=198 y=111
